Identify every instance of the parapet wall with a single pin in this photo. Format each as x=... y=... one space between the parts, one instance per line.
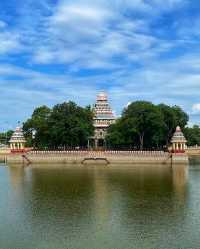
x=93 y=157
x=193 y=151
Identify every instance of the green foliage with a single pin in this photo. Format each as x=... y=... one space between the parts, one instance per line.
x=192 y=135
x=5 y=137
x=39 y=122
x=144 y=125
x=181 y=117
x=65 y=124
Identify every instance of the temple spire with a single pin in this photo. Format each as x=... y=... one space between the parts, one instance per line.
x=103 y=118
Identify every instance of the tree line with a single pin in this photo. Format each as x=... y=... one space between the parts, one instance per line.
x=64 y=125
x=5 y=137
x=142 y=125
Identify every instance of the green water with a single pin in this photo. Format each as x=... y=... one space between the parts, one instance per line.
x=100 y=207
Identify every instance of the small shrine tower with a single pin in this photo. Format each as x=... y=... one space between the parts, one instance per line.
x=178 y=141
x=17 y=141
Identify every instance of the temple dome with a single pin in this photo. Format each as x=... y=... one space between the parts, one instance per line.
x=178 y=136
x=18 y=136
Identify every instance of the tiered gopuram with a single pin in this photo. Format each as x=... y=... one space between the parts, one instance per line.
x=103 y=118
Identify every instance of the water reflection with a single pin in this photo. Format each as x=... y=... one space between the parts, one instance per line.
x=102 y=194
x=97 y=187
x=17 y=177
x=79 y=202
x=180 y=181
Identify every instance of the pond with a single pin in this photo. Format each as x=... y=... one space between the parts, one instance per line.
x=96 y=207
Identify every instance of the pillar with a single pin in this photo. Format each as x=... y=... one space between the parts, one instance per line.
x=96 y=143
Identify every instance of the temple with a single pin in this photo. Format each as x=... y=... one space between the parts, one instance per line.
x=17 y=141
x=178 y=141
x=103 y=118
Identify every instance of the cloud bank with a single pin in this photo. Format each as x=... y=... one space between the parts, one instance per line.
x=54 y=51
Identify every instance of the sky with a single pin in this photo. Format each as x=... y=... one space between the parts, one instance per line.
x=53 y=51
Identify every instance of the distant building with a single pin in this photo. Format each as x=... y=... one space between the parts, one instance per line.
x=103 y=118
x=17 y=141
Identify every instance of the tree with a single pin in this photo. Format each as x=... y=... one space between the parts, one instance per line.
x=120 y=135
x=65 y=124
x=138 y=125
x=39 y=122
x=192 y=135
x=5 y=137
x=70 y=125
x=146 y=119
x=170 y=122
x=145 y=125
x=181 y=117
x=173 y=116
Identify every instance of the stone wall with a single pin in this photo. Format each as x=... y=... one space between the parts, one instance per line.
x=193 y=151
x=90 y=157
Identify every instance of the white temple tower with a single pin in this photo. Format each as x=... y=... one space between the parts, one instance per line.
x=178 y=141
x=17 y=141
x=103 y=118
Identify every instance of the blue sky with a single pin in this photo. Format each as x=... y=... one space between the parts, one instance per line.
x=53 y=51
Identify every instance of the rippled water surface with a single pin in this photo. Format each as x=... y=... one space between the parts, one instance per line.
x=99 y=207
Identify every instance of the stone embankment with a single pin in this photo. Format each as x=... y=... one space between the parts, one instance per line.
x=95 y=157
x=193 y=151
x=194 y=154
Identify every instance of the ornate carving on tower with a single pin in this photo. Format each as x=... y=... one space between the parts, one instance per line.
x=103 y=118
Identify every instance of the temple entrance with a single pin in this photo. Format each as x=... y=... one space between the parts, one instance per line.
x=97 y=144
x=101 y=143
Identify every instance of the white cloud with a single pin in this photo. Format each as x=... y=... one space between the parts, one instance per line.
x=9 y=42
x=196 y=108
x=80 y=34
x=114 y=45
x=71 y=13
